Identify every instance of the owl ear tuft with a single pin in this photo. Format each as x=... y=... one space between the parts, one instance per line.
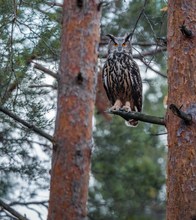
x=111 y=37
x=128 y=37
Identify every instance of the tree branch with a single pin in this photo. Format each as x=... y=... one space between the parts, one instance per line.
x=44 y=69
x=43 y=203
x=142 y=54
x=187 y=118
x=138 y=116
x=43 y=86
x=149 y=53
x=141 y=12
x=26 y=124
x=156 y=71
x=54 y=4
x=12 y=211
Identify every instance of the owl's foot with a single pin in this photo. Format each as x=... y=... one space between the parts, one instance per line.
x=127 y=107
x=117 y=105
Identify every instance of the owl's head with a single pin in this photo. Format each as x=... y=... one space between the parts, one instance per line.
x=120 y=44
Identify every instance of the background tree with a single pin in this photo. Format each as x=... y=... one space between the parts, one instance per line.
x=181 y=185
x=34 y=54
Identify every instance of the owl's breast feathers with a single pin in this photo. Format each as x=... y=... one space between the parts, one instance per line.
x=121 y=79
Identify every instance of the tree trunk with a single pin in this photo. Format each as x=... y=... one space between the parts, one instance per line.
x=181 y=168
x=76 y=94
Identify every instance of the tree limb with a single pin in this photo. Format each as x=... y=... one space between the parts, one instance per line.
x=43 y=203
x=12 y=211
x=141 y=12
x=43 y=86
x=26 y=124
x=54 y=4
x=138 y=116
x=149 y=53
x=187 y=118
x=156 y=71
x=44 y=69
x=142 y=54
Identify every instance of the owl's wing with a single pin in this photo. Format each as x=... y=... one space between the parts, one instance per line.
x=107 y=80
x=136 y=84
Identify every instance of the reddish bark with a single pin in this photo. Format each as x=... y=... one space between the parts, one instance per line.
x=181 y=168
x=76 y=94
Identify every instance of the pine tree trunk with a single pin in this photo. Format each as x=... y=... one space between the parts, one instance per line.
x=181 y=170
x=76 y=94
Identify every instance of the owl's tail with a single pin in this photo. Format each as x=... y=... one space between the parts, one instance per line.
x=132 y=123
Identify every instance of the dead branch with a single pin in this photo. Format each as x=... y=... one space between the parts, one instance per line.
x=43 y=203
x=187 y=118
x=26 y=124
x=12 y=211
x=54 y=4
x=140 y=15
x=138 y=116
x=149 y=53
x=149 y=67
x=142 y=54
x=44 y=69
x=44 y=86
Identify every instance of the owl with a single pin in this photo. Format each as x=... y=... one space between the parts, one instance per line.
x=121 y=77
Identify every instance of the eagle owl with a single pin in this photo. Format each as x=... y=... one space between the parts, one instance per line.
x=121 y=77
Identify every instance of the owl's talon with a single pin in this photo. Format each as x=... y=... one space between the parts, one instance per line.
x=126 y=108
x=114 y=108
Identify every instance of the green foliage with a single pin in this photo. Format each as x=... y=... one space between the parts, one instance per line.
x=30 y=31
x=128 y=163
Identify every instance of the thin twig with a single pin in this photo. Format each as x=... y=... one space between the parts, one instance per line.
x=141 y=12
x=26 y=124
x=156 y=71
x=138 y=116
x=12 y=211
x=150 y=52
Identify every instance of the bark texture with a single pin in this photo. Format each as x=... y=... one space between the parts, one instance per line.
x=181 y=170
x=76 y=95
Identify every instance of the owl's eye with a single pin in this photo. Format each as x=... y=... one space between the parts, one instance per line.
x=124 y=45
x=115 y=44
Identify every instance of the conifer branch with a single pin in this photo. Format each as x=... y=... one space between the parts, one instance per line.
x=26 y=124
x=12 y=211
x=138 y=116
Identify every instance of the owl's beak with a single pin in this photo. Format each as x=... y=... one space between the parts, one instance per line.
x=119 y=48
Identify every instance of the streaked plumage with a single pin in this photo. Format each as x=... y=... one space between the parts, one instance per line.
x=121 y=77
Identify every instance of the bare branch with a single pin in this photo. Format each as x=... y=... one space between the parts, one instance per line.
x=43 y=86
x=43 y=203
x=156 y=71
x=45 y=70
x=187 y=118
x=26 y=124
x=141 y=12
x=54 y=4
x=139 y=116
x=141 y=55
x=149 y=53
x=12 y=211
